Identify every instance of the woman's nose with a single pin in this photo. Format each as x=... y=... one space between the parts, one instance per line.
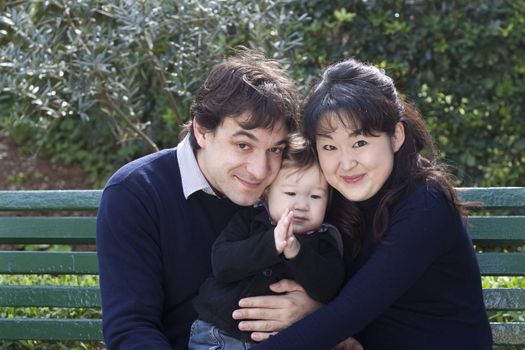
x=348 y=161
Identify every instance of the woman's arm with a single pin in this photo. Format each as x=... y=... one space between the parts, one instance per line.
x=414 y=240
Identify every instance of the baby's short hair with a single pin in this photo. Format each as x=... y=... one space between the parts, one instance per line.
x=299 y=154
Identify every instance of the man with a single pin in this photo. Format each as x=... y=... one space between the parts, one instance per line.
x=160 y=214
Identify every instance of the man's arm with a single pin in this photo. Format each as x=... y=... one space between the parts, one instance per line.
x=130 y=272
x=269 y=314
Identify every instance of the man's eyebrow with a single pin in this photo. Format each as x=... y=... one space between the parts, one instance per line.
x=252 y=137
x=247 y=134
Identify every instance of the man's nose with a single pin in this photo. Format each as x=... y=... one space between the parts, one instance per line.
x=259 y=166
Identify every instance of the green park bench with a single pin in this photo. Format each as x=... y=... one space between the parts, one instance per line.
x=67 y=219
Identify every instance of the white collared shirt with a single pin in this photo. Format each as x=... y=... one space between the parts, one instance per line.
x=192 y=178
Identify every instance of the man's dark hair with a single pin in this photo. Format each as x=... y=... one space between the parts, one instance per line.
x=245 y=83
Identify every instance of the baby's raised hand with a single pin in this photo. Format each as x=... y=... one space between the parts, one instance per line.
x=280 y=232
x=285 y=241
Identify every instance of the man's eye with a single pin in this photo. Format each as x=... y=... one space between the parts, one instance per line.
x=276 y=150
x=290 y=193
x=360 y=143
x=242 y=145
x=328 y=147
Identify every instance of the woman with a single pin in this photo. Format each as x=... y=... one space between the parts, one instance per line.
x=413 y=280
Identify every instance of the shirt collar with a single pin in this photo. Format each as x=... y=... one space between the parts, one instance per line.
x=193 y=179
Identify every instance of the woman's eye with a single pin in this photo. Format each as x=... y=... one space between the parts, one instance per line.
x=360 y=143
x=328 y=147
x=290 y=193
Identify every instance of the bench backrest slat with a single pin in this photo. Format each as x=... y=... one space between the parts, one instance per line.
x=50 y=296
x=47 y=230
x=14 y=262
x=497 y=229
x=502 y=264
x=504 y=299
x=494 y=197
x=55 y=329
x=70 y=200
x=508 y=333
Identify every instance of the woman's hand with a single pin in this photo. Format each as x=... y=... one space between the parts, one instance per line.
x=267 y=315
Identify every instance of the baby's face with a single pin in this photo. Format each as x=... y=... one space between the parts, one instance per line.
x=305 y=192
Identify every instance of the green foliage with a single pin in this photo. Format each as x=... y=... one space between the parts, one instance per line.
x=462 y=63
x=122 y=73
x=101 y=79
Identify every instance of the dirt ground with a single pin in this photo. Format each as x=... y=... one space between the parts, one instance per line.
x=20 y=171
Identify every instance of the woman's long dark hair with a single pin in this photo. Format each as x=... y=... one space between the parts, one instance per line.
x=361 y=95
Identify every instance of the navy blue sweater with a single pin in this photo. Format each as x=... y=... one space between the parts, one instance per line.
x=421 y=289
x=154 y=252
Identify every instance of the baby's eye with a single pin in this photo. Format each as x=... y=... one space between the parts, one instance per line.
x=314 y=196
x=360 y=143
x=291 y=194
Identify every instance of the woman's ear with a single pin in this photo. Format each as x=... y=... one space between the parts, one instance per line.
x=199 y=132
x=399 y=136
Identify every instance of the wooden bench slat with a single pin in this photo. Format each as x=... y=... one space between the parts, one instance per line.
x=47 y=230
x=504 y=298
x=50 y=329
x=50 y=200
x=497 y=228
x=12 y=262
x=501 y=264
x=52 y=296
x=508 y=333
x=494 y=197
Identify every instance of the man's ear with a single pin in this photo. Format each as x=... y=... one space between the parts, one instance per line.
x=199 y=132
x=399 y=136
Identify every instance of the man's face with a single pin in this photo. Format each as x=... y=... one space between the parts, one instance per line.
x=240 y=163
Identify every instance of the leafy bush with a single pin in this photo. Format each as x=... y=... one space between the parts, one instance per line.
x=123 y=72
x=461 y=62
x=108 y=81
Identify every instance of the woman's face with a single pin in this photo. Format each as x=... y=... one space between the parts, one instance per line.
x=354 y=164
